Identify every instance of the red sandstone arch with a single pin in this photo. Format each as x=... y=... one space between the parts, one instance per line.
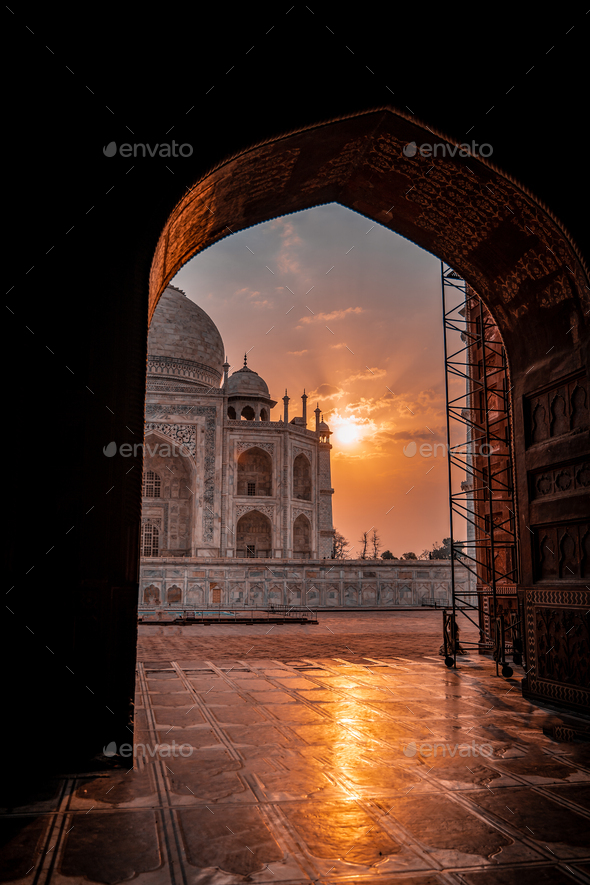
x=502 y=240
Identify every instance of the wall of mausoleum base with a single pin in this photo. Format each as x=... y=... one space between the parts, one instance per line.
x=321 y=584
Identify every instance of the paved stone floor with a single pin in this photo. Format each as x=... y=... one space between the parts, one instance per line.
x=325 y=768
x=354 y=634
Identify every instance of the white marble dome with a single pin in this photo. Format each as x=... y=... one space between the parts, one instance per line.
x=184 y=342
x=246 y=384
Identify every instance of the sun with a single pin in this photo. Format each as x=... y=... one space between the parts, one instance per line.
x=348 y=433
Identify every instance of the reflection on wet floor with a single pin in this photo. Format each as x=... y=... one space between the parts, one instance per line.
x=319 y=771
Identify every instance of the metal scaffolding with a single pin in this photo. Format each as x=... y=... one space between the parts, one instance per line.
x=480 y=474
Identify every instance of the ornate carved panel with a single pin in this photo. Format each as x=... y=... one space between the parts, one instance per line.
x=558 y=410
x=562 y=640
x=561 y=552
x=188 y=369
x=254 y=444
x=298 y=511
x=151 y=595
x=558 y=637
x=154 y=411
x=185 y=434
x=560 y=480
x=267 y=510
x=174 y=595
x=297 y=450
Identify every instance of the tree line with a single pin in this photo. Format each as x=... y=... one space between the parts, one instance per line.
x=370 y=545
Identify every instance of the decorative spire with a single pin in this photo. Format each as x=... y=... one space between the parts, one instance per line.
x=246 y=359
x=304 y=400
x=286 y=407
x=317 y=417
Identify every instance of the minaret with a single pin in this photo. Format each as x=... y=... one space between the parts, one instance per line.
x=317 y=417
x=226 y=368
x=304 y=399
x=286 y=409
x=325 y=524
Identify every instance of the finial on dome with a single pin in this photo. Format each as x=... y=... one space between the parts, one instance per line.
x=245 y=359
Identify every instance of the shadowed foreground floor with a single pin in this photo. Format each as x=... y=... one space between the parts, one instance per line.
x=316 y=768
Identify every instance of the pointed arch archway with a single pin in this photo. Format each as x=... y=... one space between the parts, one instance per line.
x=498 y=236
x=254 y=473
x=254 y=536
x=302 y=477
x=302 y=537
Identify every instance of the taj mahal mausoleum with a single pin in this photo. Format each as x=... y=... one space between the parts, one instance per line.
x=237 y=509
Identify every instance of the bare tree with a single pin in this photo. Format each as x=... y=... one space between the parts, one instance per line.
x=340 y=546
x=364 y=541
x=375 y=544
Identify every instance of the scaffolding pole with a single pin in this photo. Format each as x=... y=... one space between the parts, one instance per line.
x=480 y=464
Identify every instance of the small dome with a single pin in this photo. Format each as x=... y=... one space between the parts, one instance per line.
x=184 y=341
x=324 y=427
x=247 y=384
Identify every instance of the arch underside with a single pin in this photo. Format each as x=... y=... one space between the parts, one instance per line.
x=499 y=238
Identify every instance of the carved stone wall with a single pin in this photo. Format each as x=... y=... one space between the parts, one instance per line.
x=185 y=434
x=562 y=552
x=155 y=411
x=556 y=411
x=558 y=639
x=324 y=584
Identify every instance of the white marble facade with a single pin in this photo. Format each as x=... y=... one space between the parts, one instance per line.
x=220 y=479
x=170 y=584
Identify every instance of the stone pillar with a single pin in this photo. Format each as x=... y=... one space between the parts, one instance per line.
x=285 y=487
x=226 y=538
x=286 y=408
x=304 y=400
x=324 y=501
x=317 y=417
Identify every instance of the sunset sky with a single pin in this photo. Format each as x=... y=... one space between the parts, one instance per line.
x=329 y=301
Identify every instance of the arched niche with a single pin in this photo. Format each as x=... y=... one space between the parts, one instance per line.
x=302 y=537
x=254 y=536
x=255 y=473
x=302 y=478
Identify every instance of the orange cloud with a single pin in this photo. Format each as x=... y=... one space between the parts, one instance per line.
x=365 y=376
x=330 y=317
